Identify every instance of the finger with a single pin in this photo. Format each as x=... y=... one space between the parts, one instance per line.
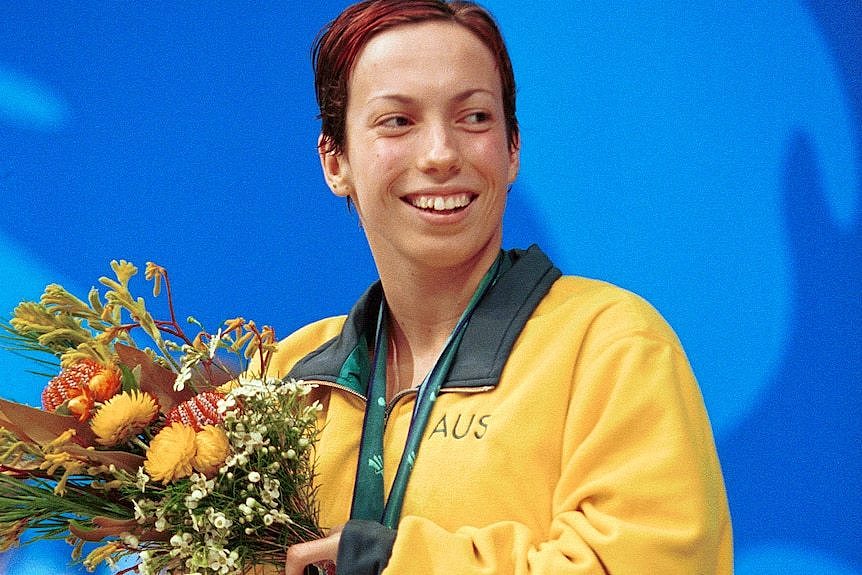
x=302 y=554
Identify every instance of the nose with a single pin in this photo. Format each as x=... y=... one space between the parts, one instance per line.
x=441 y=157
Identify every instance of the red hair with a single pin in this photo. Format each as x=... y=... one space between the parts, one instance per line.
x=339 y=43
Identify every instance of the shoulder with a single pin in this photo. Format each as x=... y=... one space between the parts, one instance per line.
x=605 y=310
x=303 y=341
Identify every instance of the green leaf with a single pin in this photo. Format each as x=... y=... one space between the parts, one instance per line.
x=130 y=377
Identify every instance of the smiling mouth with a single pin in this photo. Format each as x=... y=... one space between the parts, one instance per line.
x=440 y=204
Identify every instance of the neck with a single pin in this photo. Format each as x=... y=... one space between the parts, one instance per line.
x=424 y=307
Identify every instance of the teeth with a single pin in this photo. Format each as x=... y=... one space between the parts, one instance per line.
x=440 y=203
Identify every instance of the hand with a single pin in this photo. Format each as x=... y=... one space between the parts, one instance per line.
x=303 y=554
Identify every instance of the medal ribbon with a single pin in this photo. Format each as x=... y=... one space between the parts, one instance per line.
x=368 y=494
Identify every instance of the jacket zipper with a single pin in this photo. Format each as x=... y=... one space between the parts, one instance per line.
x=401 y=394
x=412 y=391
x=337 y=386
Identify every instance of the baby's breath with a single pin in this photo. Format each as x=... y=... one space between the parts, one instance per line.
x=259 y=502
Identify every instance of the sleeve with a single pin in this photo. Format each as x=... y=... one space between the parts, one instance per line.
x=639 y=491
x=365 y=547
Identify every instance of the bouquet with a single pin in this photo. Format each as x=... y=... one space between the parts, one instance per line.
x=183 y=455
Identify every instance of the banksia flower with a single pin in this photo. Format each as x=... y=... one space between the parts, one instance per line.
x=68 y=384
x=197 y=412
x=81 y=385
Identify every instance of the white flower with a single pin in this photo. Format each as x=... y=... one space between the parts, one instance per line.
x=142 y=509
x=219 y=521
x=212 y=346
x=238 y=459
x=183 y=376
x=129 y=539
x=254 y=476
x=226 y=404
x=142 y=479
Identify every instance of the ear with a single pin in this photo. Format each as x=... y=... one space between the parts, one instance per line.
x=336 y=169
x=514 y=158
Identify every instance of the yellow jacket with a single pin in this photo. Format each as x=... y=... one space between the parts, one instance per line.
x=570 y=437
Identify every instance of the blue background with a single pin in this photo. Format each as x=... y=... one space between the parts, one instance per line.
x=705 y=155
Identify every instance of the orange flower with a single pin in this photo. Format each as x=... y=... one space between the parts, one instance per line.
x=212 y=449
x=171 y=453
x=123 y=416
x=81 y=405
x=105 y=383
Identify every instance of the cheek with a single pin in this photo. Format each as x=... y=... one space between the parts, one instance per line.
x=383 y=160
x=391 y=151
x=491 y=156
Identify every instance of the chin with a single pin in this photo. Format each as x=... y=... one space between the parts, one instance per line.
x=449 y=255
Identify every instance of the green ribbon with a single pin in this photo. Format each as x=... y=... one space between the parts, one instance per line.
x=368 y=499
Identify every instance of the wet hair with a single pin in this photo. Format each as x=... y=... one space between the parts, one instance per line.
x=338 y=46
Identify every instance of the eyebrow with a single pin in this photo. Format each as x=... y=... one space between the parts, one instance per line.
x=402 y=99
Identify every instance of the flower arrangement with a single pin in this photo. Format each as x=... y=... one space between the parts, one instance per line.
x=185 y=456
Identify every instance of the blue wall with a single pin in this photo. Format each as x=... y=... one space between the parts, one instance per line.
x=705 y=156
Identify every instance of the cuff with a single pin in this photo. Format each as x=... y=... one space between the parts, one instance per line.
x=365 y=547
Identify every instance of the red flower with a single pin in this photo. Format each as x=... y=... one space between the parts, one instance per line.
x=79 y=386
x=197 y=412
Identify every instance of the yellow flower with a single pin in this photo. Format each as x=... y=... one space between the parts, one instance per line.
x=124 y=270
x=171 y=453
x=123 y=416
x=155 y=272
x=10 y=534
x=102 y=553
x=234 y=324
x=228 y=386
x=212 y=450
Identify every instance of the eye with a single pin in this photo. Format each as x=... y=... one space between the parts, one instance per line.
x=477 y=117
x=395 y=122
x=479 y=120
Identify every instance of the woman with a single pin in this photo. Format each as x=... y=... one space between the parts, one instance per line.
x=482 y=413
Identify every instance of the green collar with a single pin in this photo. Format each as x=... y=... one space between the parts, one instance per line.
x=488 y=338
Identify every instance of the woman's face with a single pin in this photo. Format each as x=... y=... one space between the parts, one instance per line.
x=426 y=159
